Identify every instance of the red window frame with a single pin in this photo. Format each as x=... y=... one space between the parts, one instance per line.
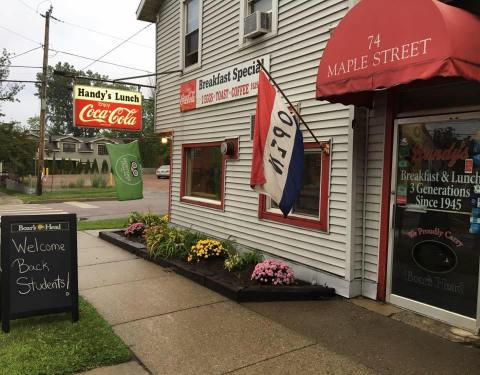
x=184 y=198
x=321 y=223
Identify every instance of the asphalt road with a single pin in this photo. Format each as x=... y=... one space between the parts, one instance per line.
x=155 y=198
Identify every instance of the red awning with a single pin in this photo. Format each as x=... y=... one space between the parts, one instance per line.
x=383 y=43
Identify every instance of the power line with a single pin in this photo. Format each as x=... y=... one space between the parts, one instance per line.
x=73 y=76
x=76 y=55
x=117 y=46
x=25 y=66
x=41 y=2
x=20 y=35
x=99 y=32
x=28 y=6
x=84 y=27
x=149 y=75
x=18 y=81
x=24 y=53
x=100 y=61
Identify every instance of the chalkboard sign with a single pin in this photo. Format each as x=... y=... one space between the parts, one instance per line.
x=39 y=266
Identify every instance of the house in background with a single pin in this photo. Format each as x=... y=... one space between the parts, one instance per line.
x=76 y=149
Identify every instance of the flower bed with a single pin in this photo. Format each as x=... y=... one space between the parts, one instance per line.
x=238 y=278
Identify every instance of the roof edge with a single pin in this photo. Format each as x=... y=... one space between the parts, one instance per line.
x=147 y=10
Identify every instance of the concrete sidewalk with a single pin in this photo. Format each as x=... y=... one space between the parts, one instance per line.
x=174 y=326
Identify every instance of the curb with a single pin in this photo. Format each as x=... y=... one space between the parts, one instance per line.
x=73 y=200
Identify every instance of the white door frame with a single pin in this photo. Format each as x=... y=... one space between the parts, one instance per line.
x=419 y=307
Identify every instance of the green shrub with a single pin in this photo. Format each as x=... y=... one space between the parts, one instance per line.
x=154 y=236
x=135 y=217
x=172 y=245
x=229 y=246
x=164 y=242
x=105 y=167
x=88 y=167
x=236 y=262
x=192 y=237
x=94 y=169
x=99 y=181
x=79 y=168
x=149 y=218
x=79 y=182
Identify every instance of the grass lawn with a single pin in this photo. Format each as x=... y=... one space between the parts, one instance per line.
x=102 y=224
x=54 y=345
x=70 y=194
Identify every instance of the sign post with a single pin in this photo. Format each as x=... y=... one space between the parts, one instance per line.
x=39 y=266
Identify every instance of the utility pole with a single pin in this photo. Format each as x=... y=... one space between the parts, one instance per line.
x=43 y=104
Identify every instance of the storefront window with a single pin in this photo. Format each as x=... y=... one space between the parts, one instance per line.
x=437 y=214
x=311 y=208
x=202 y=174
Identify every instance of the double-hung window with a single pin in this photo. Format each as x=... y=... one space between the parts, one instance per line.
x=311 y=207
x=202 y=180
x=191 y=32
x=69 y=147
x=259 y=5
x=102 y=149
x=248 y=8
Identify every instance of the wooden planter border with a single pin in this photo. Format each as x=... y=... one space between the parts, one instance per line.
x=260 y=293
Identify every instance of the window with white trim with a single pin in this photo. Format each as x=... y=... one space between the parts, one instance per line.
x=191 y=36
x=102 y=149
x=69 y=147
x=259 y=5
x=247 y=8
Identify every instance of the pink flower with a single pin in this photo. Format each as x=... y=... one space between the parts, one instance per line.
x=273 y=272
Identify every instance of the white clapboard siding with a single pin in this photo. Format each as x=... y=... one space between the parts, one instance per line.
x=303 y=31
x=374 y=170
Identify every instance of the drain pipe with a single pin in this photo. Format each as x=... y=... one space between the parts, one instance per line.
x=365 y=185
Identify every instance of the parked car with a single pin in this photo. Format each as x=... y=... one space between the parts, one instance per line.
x=163 y=171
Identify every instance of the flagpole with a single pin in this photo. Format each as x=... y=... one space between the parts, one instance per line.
x=290 y=104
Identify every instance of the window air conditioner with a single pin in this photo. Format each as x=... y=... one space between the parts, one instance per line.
x=256 y=24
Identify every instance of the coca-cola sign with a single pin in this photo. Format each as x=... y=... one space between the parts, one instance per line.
x=104 y=107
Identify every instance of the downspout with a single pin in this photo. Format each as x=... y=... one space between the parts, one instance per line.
x=364 y=210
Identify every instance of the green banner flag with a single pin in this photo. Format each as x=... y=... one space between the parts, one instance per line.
x=127 y=169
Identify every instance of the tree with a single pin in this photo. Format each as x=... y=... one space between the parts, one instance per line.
x=8 y=91
x=87 y=168
x=33 y=124
x=94 y=169
x=105 y=167
x=16 y=150
x=148 y=116
x=79 y=168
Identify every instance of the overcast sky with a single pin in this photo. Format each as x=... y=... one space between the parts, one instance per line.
x=113 y=17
